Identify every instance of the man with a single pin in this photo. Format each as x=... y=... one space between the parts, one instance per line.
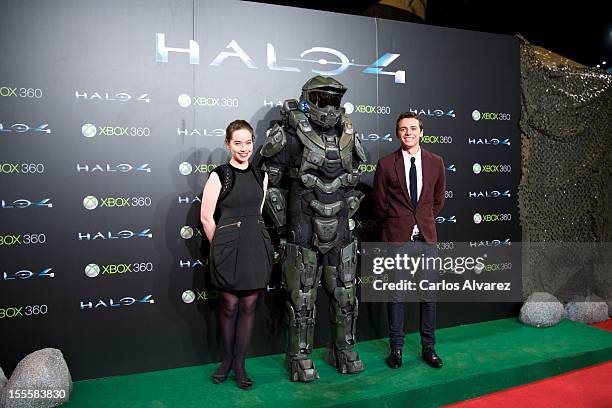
x=409 y=187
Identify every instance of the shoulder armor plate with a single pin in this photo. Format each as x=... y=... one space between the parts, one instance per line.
x=361 y=154
x=275 y=141
x=347 y=132
x=300 y=122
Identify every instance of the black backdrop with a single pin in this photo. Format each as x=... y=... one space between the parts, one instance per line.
x=110 y=102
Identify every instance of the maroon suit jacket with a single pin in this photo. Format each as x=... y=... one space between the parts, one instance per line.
x=393 y=203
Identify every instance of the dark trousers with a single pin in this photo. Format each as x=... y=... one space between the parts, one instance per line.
x=427 y=306
x=427 y=322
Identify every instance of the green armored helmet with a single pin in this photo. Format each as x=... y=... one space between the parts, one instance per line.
x=320 y=100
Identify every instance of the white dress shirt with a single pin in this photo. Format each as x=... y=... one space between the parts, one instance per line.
x=417 y=163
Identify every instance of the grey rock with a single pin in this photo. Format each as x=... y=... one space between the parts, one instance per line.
x=587 y=311
x=610 y=308
x=3 y=382
x=3 y=379
x=593 y=298
x=542 y=309
x=43 y=371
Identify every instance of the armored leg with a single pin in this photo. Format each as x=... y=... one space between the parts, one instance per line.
x=300 y=279
x=339 y=283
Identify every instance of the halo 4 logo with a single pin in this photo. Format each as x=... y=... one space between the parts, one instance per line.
x=190 y=264
x=340 y=64
x=23 y=128
x=272 y=104
x=272 y=288
x=27 y=274
x=189 y=200
x=433 y=112
x=23 y=203
x=123 y=234
x=112 y=168
x=200 y=132
x=374 y=137
x=105 y=96
x=489 y=194
x=124 y=301
x=492 y=243
x=449 y=219
x=492 y=142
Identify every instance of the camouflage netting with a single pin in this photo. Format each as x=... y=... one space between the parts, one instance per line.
x=565 y=193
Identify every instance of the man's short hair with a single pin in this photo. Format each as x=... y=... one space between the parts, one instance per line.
x=408 y=115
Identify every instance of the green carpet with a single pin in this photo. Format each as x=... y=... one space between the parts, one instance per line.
x=478 y=359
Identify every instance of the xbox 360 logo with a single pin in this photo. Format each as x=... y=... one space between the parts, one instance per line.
x=186 y=232
x=349 y=108
x=184 y=100
x=476 y=115
x=188 y=296
x=88 y=130
x=185 y=168
x=477 y=218
x=90 y=202
x=92 y=270
x=476 y=168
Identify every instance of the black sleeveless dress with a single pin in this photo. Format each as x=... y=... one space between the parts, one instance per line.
x=241 y=250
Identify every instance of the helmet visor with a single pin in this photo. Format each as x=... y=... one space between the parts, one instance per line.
x=324 y=99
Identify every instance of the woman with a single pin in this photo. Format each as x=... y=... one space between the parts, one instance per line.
x=240 y=248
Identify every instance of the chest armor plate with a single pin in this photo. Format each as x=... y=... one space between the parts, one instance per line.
x=323 y=151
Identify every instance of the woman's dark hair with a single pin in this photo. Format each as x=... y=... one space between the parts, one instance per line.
x=237 y=125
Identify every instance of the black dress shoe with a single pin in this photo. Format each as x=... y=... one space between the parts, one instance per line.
x=395 y=358
x=431 y=358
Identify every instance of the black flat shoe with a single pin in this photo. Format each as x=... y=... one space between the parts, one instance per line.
x=431 y=357
x=394 y=360
x=220 y=374
x=243 y=381
x=219 y=378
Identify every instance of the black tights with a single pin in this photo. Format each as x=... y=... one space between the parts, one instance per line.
x=236 y=318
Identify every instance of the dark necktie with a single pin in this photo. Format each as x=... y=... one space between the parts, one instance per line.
x=413 y=182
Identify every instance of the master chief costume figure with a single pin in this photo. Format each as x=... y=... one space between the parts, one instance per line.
x=312 y=157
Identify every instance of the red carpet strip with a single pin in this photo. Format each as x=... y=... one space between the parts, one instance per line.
x=589 y=387
x=607 y=325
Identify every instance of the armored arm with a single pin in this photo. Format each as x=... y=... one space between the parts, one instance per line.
x=354 y=197
x=359 y=154
x=273 y=163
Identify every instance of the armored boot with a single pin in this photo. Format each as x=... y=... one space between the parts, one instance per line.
x=339 y=282
x=300 y=278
